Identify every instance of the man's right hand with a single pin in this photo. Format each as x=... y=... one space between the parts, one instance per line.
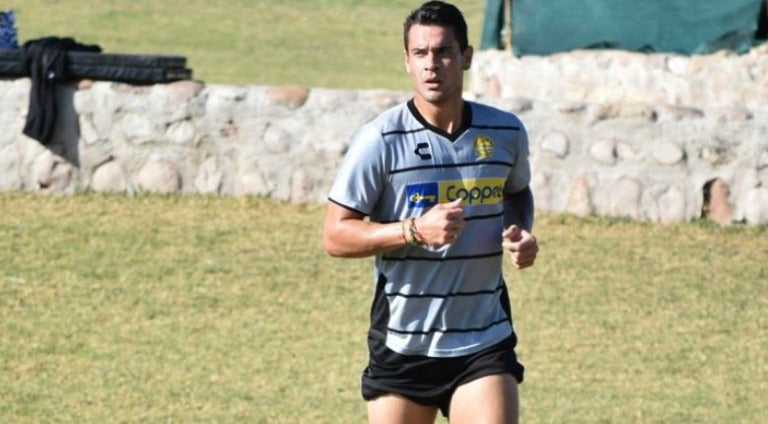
x=442 y=224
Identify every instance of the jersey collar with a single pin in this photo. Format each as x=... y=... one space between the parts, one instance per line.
x=466 y=121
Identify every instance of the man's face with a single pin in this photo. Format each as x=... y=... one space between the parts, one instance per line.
x=436 y=63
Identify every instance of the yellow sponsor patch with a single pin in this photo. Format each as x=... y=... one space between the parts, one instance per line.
x=481 y=191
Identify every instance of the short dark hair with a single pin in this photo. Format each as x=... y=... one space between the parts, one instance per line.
x=441 y=14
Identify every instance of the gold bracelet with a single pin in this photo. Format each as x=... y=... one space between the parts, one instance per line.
x=403 y=232
x=416 y=238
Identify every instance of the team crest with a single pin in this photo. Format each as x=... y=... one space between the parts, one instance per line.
x=483 y=146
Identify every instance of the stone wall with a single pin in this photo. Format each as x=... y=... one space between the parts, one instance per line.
x=185 y=137
x=631 y=134
x=611 y=133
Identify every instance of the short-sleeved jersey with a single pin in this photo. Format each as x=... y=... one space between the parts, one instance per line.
x=449 y=301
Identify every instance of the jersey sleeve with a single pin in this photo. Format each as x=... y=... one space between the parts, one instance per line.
x=360 y=179
x=520 y=175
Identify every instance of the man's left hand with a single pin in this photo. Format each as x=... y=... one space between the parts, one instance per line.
x=521 y=245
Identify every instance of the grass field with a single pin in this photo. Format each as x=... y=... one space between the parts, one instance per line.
x=315 y=43
x=196 y=309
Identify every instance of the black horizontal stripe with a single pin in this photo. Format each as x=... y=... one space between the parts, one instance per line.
x=401 y=132
x=444 y=296
x=450 y=330
x=466 y=218
x=496 y=127
x=451 y=165
x=442 y=259
x=479 y=217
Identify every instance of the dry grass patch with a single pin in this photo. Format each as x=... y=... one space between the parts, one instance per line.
x=191 y=308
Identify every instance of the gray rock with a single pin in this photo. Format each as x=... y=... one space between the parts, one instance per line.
x=52 y=174
x=159 y=176
x=555 y=142
x=757 y=206
x=292 y=96
x=625 y=199
x=137 y=128
x=667 y=153
x=10 y=176
x=672 y=206
x=181 y=132
x=209 y=177
x=579 y=201
x=604 y=151
x=109 y=177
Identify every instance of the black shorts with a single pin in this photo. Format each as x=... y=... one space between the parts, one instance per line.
x=432 y=381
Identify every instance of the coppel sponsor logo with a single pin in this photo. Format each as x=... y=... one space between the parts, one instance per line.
x=482 y=191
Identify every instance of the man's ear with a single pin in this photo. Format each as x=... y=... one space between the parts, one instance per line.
x=468 y=52
x=405 y=62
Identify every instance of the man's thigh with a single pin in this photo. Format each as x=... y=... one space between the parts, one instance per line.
x=490 y=399
x=394 y=409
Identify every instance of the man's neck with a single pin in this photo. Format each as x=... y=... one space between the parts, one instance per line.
x=446 y=116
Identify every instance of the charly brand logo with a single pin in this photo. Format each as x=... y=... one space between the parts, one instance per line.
x=422 y=150
x=483 y=146
x=481 y=191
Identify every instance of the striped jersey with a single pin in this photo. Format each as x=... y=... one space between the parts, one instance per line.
x=448 y=301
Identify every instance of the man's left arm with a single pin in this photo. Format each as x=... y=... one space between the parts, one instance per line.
x=518 y=209
x=518 y=224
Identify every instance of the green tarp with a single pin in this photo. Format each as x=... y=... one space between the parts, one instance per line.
x=674 y=26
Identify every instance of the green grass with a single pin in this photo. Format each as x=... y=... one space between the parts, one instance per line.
x=315 y=43
x=198 y=309
x=173 y=310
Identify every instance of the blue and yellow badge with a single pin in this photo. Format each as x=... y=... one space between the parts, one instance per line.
x=483 y=146
x=422 y=195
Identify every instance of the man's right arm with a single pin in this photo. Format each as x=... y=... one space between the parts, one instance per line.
x=348 y=234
